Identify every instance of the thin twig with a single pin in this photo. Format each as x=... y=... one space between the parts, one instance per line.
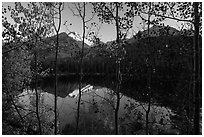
x=93 y=15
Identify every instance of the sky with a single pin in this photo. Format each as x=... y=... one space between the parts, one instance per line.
x=107 y=32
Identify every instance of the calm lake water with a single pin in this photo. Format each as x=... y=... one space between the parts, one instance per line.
x=97 y=111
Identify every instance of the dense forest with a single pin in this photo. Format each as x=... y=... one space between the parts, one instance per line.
x=147 y=83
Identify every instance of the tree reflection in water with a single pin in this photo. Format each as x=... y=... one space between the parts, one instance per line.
x=97 y=113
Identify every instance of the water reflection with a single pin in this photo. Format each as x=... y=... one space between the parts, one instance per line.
x=97 y=112
x=85 y=89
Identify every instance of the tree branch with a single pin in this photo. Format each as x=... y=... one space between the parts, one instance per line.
x=60 y=16
x=163 y=16
x=79 y=9
x=73 y=11
x=111 y=13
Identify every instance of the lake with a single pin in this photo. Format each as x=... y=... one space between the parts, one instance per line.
x=96 y=111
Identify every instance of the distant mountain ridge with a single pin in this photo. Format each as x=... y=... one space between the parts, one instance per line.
x=70 y=47
x=155 y=31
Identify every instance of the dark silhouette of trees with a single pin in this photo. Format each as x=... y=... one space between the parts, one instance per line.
x=186 y=12
x=196 y=71
x=26 y=33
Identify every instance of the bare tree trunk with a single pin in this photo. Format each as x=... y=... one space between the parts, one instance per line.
x=56 y=68
x=81 y=70
x=36 y=89
x=196 y=74
x=118 y=75
x=55 y=107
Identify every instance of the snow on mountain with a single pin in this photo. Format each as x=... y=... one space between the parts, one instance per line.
x=77 y=37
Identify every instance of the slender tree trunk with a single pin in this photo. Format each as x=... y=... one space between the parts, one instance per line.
x=196 y=74
x=36 y=89
x=118 y=75
x=55 y=107
x=56 y=68
x=81 y=70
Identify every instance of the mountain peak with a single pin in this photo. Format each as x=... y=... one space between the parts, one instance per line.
x=158 y=30
x=63 y=34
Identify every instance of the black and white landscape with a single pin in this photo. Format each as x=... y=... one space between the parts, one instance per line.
x=105 y=68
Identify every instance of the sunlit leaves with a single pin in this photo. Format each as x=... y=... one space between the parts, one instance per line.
x=26 y=20
x=179 y=11
x=105 y=13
